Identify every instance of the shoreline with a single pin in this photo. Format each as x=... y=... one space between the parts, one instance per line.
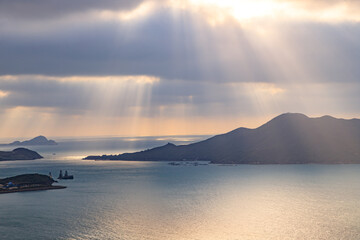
x=225 y=164
x=32 y=189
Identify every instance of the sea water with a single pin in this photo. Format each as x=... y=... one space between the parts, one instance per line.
x=154 y=200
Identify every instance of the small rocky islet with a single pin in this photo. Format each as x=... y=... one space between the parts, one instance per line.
x=28 y=182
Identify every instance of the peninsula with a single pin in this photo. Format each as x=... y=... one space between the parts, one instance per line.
x=36 y=141
x=19 y=154
x=27 y=182
x=290 y=138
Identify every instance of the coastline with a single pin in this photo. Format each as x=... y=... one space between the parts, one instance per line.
x=32 y=189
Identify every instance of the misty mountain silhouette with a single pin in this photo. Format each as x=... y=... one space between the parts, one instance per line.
x=286 y=139
x=19 y=154
x=39 y=140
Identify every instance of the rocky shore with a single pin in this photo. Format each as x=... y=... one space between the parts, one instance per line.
x=30 y=189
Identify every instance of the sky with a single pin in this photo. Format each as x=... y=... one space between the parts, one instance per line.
x=173 y=67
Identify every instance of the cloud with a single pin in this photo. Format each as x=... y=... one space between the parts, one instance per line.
x=149 y=97
x=74 y=95
x=121 y=97
x=325 y=10
x=321 y=4
x=42 y=9
x=250 y=11
x=328 y=11
x=109 y=95
x=184 y=46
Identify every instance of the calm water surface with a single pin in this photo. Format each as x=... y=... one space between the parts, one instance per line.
x=148 y=200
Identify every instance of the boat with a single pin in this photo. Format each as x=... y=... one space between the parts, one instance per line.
x=174 y=163
x=65 y=176
x=60 y=175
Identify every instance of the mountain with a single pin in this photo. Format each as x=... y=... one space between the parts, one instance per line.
x=19 y=154
x=286 y=139
x=39 y=140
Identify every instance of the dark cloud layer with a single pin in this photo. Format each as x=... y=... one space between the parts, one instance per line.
x=105 y=48
x=79 y=97
x=175 y=98
x=185 y=48
x=48 y=9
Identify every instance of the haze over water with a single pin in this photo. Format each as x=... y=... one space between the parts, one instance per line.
x=150 y=200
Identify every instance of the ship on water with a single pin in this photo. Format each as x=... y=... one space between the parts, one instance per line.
x=65 y=176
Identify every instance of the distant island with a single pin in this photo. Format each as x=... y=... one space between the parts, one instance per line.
x=27 y=182
x=39 y=140
x=290 y=138
x=19 y=154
